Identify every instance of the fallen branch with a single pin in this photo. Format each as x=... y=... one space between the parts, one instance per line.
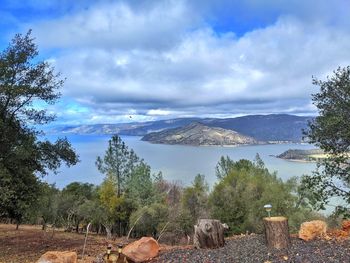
x=163 y=230
x=138 y=219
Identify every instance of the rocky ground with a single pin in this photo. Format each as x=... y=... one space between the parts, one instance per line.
x=246 y=249
x=30 y=242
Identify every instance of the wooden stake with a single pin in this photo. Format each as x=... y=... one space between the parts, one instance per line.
x=277 y=232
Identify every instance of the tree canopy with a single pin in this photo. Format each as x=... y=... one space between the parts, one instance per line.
x=330 y=130
x=26 y=83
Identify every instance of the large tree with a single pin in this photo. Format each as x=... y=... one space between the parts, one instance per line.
x=26 y=83
x=118 y=163
x=330 y=131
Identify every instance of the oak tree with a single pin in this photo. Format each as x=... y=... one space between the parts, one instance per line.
x=330 y=131
x=25 y=83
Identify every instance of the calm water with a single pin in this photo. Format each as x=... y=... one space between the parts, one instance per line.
x=175 y=161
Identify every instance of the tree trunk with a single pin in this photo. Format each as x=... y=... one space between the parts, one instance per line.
x=208 y=233
x=277 y=232
x=108 y=231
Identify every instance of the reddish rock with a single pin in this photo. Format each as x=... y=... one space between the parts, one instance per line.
x=345 y=226
x=142 y=249
x=313 y=229
x=58 y=257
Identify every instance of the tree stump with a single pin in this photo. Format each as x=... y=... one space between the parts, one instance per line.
x=277 y=232
x=209 y=233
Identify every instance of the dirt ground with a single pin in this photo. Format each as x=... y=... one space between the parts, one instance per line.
x=29 y=242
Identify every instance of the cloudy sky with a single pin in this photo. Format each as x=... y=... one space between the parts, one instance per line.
x=155 y=59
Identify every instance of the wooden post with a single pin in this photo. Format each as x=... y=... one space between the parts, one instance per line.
x=209 y=233
x=277 y=232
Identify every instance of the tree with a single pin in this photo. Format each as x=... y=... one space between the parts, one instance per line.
x=25 y=83
x=195 y=197
x=330 y=131
x=110 y=201
x=223 y=167
x=73 y=196
x=47 y=204
x=119 y=162
x=239 y=197
x=140 y=186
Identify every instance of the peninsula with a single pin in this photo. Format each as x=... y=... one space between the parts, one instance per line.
x=197 y=134
x=311 y=155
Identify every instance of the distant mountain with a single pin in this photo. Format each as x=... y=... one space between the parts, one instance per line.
x=198 y=134
x=273 y=127
x=132 y=129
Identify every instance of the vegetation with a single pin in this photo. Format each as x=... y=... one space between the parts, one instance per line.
x=131 y=200
x=26 y=83
x=330 y=132
x=149 y=205
x=238 y=198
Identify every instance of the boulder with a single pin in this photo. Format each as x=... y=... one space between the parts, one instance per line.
x=58 y=257
x=142 y=249
x=313 y=229
x=345 y=226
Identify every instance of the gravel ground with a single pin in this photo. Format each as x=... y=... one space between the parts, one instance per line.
x=244 y=249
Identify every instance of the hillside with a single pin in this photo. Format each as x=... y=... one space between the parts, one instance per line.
x=273 y=127
x=199 y=134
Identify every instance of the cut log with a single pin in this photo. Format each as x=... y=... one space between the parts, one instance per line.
x=209 y=233
x=277 y=232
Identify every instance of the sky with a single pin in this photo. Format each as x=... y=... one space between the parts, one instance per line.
x=145 y=60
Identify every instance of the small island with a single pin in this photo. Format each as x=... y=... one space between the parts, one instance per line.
x=197 y=134
x=312 y=155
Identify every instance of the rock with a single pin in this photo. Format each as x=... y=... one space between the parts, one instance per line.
x=142 y=249
x=345 y=226
x=313 y=229
x=98 y=259
x=58 y=257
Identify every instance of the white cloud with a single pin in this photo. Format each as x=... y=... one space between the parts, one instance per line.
x=164 y=61
x=118 y=26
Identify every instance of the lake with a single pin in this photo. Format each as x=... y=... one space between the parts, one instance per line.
x=176 y=162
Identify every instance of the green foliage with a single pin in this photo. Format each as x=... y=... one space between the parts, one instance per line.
x=194 y=199
x=238 y=199
x=80 y=191
x=223 y=167
x=47 y=204
x=331 y=132
x=118 y=162
x=140 y=187
x=152 y=219
x=109 y=198
x=23 y=82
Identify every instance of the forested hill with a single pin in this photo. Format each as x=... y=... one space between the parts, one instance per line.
x=273 y=127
